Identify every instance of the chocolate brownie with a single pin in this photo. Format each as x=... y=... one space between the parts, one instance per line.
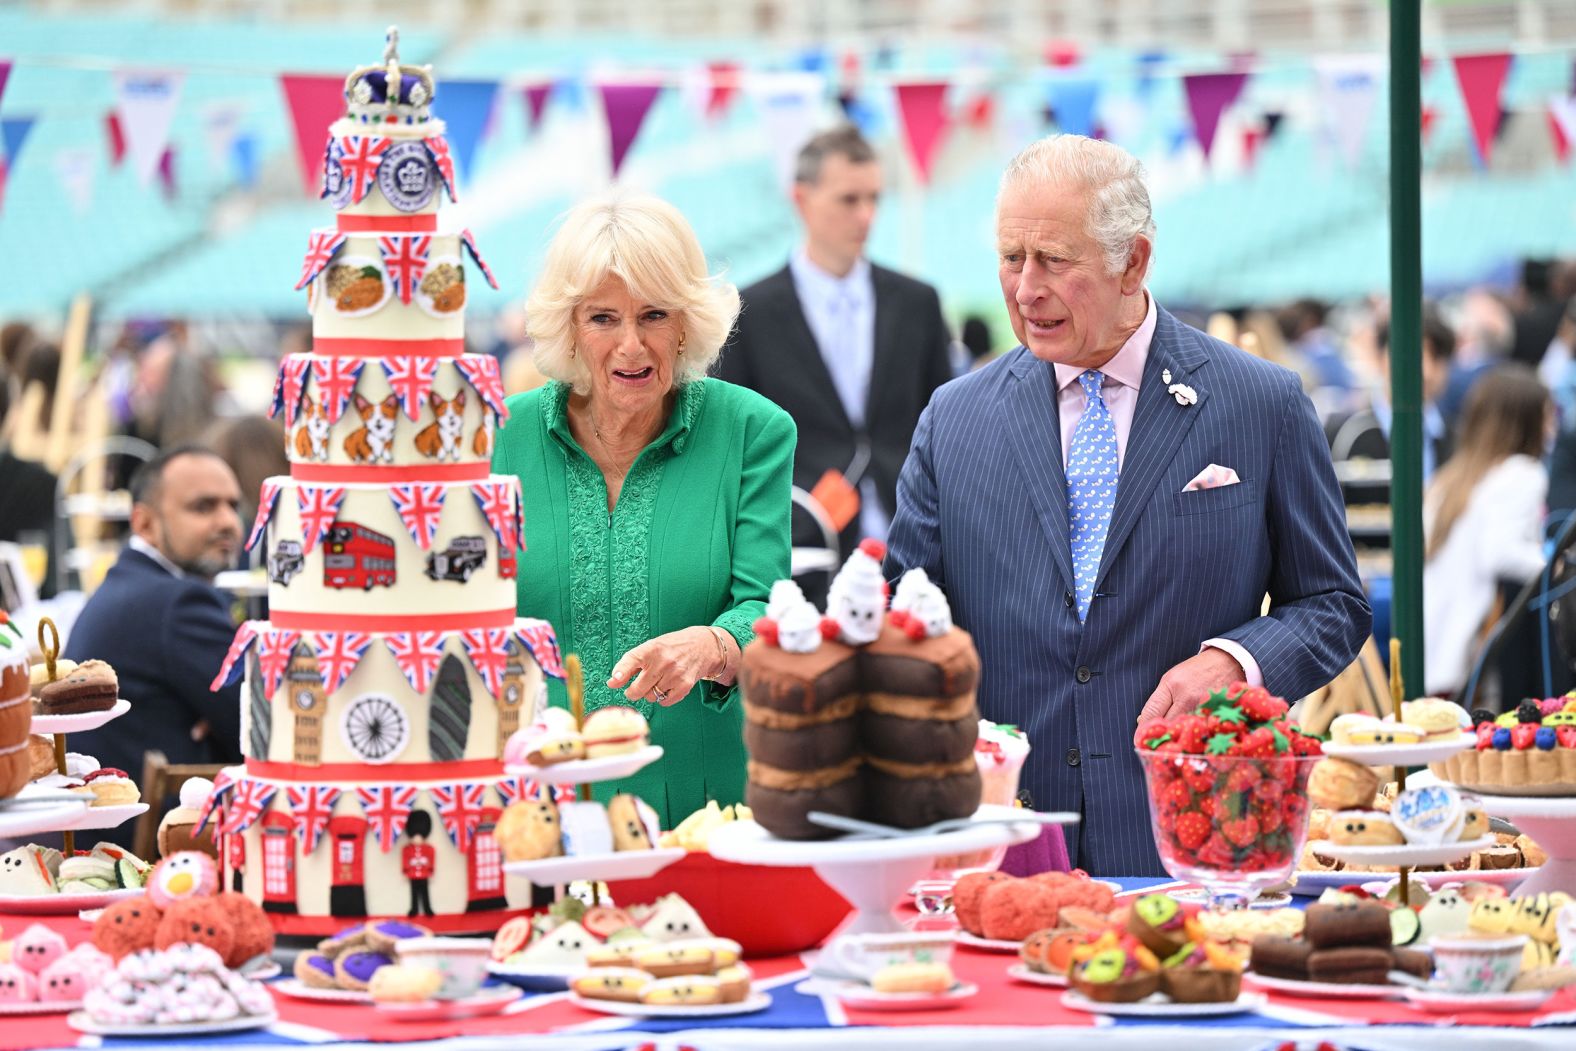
x=1347 y=924
x=1353 y=965
x=1414 y=962
x=1276 y=957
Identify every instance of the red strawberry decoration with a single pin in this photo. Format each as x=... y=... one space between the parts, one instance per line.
x=1242 y=831
x=1152 y=734
x=1192 y=829
x=1257 y=704
x=766 y=630
x=1242 y=777
x=1523 y=735
x=1566 y=736
x=1176 y=796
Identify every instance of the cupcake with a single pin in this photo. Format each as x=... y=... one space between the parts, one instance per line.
x=1156 y=920
x=1199 y=973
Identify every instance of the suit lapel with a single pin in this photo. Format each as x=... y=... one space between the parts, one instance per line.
x=796 y=325
x=1159 y=425
x=1035 y=428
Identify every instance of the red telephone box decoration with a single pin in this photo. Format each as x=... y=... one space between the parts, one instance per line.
x=484 y=866
x=279 y=861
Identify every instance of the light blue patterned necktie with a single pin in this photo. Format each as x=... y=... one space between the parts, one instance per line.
x=1092 y=473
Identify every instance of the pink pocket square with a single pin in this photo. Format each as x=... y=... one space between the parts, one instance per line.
x=1212 y=477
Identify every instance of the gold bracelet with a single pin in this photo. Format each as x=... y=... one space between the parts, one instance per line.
x=722 y=650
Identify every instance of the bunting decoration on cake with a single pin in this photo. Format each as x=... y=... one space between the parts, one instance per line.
x=411 y=378
x=438 y=150
x=418 y=654
x=336 y=382
x=387 y=809
x=460 y=807
x=292 y=375
x=540 y=639
x=247 y=803
x=405 y=261
x=449 y=713
x=319 y=506
x=482 y=373
x=274 y=650
x=420 y=505
x=489 y=654
x=223 y=782
x=500 y=504
x=238 y=645
x=312 y=806
x=359 y=157
x=320 y=248
x=513 y=790
x=469 y=241
x=266 y=499
x=338 y=653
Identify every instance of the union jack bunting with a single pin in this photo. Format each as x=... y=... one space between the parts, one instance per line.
x=411 y=378
x=267 y=497
x=328 y=155
x=293 y=381
x=540 y=639
x=338 y=653
x=359 y=157
x=482 y=373
x=320 y=248
x=488 y=651
x=312 y=806
x=418 y=654
x=468 y=239
x=420 y=505
x=222 y=783
x=387 y=808
x=228 y=673
x=513 y=789
x=460 y=807
x=319 y=505
x=336 y=382
x=438 y=150
x=405 y=260
x=247 y=803
x=275 y=648
x=500 y=503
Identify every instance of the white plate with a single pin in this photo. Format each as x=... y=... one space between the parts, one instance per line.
x=974 y=941
x=1322 y=990
x=861 y=996
x=63 y=904
x=296 y=989
x=756 y=1001
x=748 y=842
x=26 y=817
x=621 y=864
x=1200 y=896
x=545 y=979
x=47 y=1007
x=588 y=771
x=1157 y=1005
x=1419 y=754
x=262 y=972
x=1019 y=972
x=105 y=817
x=80 y=1021
x=488 y=1001
x=1443 y=1002
x=1312 y=884
x=79 y=722
x=1407 y=854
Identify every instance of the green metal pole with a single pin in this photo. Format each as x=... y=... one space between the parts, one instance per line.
x=1406 y=339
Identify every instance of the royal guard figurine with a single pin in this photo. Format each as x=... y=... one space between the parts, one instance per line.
x=417 y=860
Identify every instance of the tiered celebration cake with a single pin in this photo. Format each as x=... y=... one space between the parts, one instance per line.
x=380 y=693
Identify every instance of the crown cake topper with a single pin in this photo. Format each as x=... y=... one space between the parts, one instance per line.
x=390 y=92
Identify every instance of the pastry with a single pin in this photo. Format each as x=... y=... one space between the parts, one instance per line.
x=111 y=787
x=38 y=674
x=253 y=933
x=1340 y=784
x=1533 y=856
x=1199 y=973
x=1438 y=719
x=667 y=959
x=1035 y=949
x=619 y=953
x=183 y=985
x=383 y=935
x=1360 y=729
x=404 y=983
x=1544 y=978
x=1013 y=909
x=131 y=926
x=529 y=831
x=178 y=827
x=1115 y=975
x=554 y=738
x=1351 y=965
x=1497 y=857
x=1413 y=961
x=1474 y=825
x=725 y=952
x=41 y=756
x=1156 y=920
x=36 y=948
x=197 y=921
x=635 y=825
x=686 y=990
x=614 y=730
x=1364 y=828
x=913 y=978
x=89 y=687
x=17 y=985
x=612 y=983
x=1359 y=923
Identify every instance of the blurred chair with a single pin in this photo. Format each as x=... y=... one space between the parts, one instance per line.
x=160 y=780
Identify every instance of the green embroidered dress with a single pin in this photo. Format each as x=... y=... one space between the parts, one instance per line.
x=700 y=533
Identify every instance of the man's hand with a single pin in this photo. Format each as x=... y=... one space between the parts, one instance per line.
x=1185 y=686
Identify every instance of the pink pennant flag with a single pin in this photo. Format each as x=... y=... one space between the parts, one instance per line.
x=626 y=106
x=418 y=654
x=1481 y=78
x=1251 y=140
x=338 y=653
x=1562 y=124
x=923 y=110
x=117 y=139
x=5 y=75
x=723 y=87
x=275 y=650
x=244 y=636
x=420 y=506
x=315 y=101
x=319 y=506
x=1426 y=120
x=1208 y=96
x=167 y=173
x=1562 y=144
x=536 y=103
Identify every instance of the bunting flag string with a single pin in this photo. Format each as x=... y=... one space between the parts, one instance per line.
x=293 y=375
x=312 y=807
x=489 y=654
x=145 y=104
x=420 y=505
x=223 y=782
x=483 y=374
x=336 y=382
x=338 y=653
x=387 y=809
x=438 y=150
x=245 y=635
x=359 y=158
x=247 y=803
x=319 y=506
x=418 y=654
x=411 y=377
x=516 y=789
x=499 y=503
x=267 y=498
x=539 y=637
x=468 y=239
x=1208 y=96
x=320 y=248
x=405 y=261
x=275 y=650
x=460 y=807
x=1562 y=124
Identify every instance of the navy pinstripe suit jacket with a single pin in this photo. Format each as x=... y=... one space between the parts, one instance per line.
x=982 y=506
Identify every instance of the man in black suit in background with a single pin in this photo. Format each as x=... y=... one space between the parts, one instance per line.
x=162 y=625
x=851 y=350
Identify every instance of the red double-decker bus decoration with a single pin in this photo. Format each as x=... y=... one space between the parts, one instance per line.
x=357 y=557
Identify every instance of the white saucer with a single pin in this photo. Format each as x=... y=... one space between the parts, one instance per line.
x=261 y=970
x=105 y=817
x=1157 y=1005
x=1420 y=754
x=1312 y=884
x=588 y=771
x=22 y=815
x=1444 y=1002
x=621 y=864
x=860 y=995
x=64 y=904
x=756 y=1001
x=36 y=1007
x=79 y=722
x=542 y=979
x=1019 y=972
x=488 y=1001
x=1322 y=990
x=1406 y=854
x=1200 y=896
x=82 y=1023
x=296 y=989
x=974 y=941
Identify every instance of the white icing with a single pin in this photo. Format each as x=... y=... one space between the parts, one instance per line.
x=799 y=629
x=785 y=594
x=856 y=599
x=924 y=602
x=195 y=792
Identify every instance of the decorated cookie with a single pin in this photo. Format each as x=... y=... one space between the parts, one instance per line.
x=687 y=990
x=1430 y=815
x=316 y=970
x=612 y=983
x=36 y=948
x=404 y=983
x=354 y=970
x=382 y=934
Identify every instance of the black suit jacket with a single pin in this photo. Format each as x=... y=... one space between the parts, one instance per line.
x=773 y=351
x=165 y=636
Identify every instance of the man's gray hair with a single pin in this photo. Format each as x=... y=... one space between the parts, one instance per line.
x=842 y=141
x=1119 y=208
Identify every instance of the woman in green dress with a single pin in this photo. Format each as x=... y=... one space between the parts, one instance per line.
x=657 y=501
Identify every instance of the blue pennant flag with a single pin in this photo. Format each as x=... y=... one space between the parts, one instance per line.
x=243 y=158
x=13 y=130
x=1074 y=101
x=465 y=106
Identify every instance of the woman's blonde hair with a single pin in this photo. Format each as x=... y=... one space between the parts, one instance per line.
x=647 y=243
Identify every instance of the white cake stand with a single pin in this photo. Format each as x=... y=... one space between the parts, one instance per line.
x=1551 y=822
x=873 y=874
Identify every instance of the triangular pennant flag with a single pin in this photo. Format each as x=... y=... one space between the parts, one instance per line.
x=498 y=501
x=292 y=382
x=1481 y=78
x=231 y=670
x=275 y=650
x=922 y=109
x=468 y=239
x=267 y=498
x=418 y=654
x=247 y=803
x=117 y=139
x=223 y=782
x=536 y=96
x=411 y=378
x=420 y=505
x=167 y=173
x=221 y=123
x=405 y=261
x=438 y=150
x=1208 y=96
x=626 y=106
x=338 y=653
x=315 y=101
x=1562 y=124
x=5 y=75
x=465 y=106
x=74 y=169
x=789 y=106
x=539 y=637
x=319 y=506
x=1061 y=54
x=336 y=382
x=488 y=649
x=13 y=132
x=1348 y=89
x=387 y=809
x=485 y=376
x=146 y=104
x=460 y=807
x=312 y=806
x=359 y=159
x=980 y=111
x=1074 y=102
x=723 y=89
x=320 y=248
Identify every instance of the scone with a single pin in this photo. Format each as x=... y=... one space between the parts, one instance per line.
x=614 y=730
x=1365 y=828
x=111 y=787
x=529 y=830
x=913 y=978
x=40 y=756
x=1340 y=784
x=686 y=990
x=1437 y=719
x=38 y=675
x=612 y=983
x=404 y=983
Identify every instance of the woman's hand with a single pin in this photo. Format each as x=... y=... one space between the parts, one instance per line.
x=668 y=666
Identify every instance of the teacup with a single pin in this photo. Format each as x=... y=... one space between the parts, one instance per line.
x=1466 y=964
x=862 y=955
x=461 y=961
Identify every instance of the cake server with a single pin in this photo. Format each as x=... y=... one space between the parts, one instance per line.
x=873 y=830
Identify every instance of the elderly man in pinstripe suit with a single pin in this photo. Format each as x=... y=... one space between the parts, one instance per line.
x=1108 y=505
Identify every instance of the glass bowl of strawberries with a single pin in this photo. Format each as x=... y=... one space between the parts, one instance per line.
x=1228 y=802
